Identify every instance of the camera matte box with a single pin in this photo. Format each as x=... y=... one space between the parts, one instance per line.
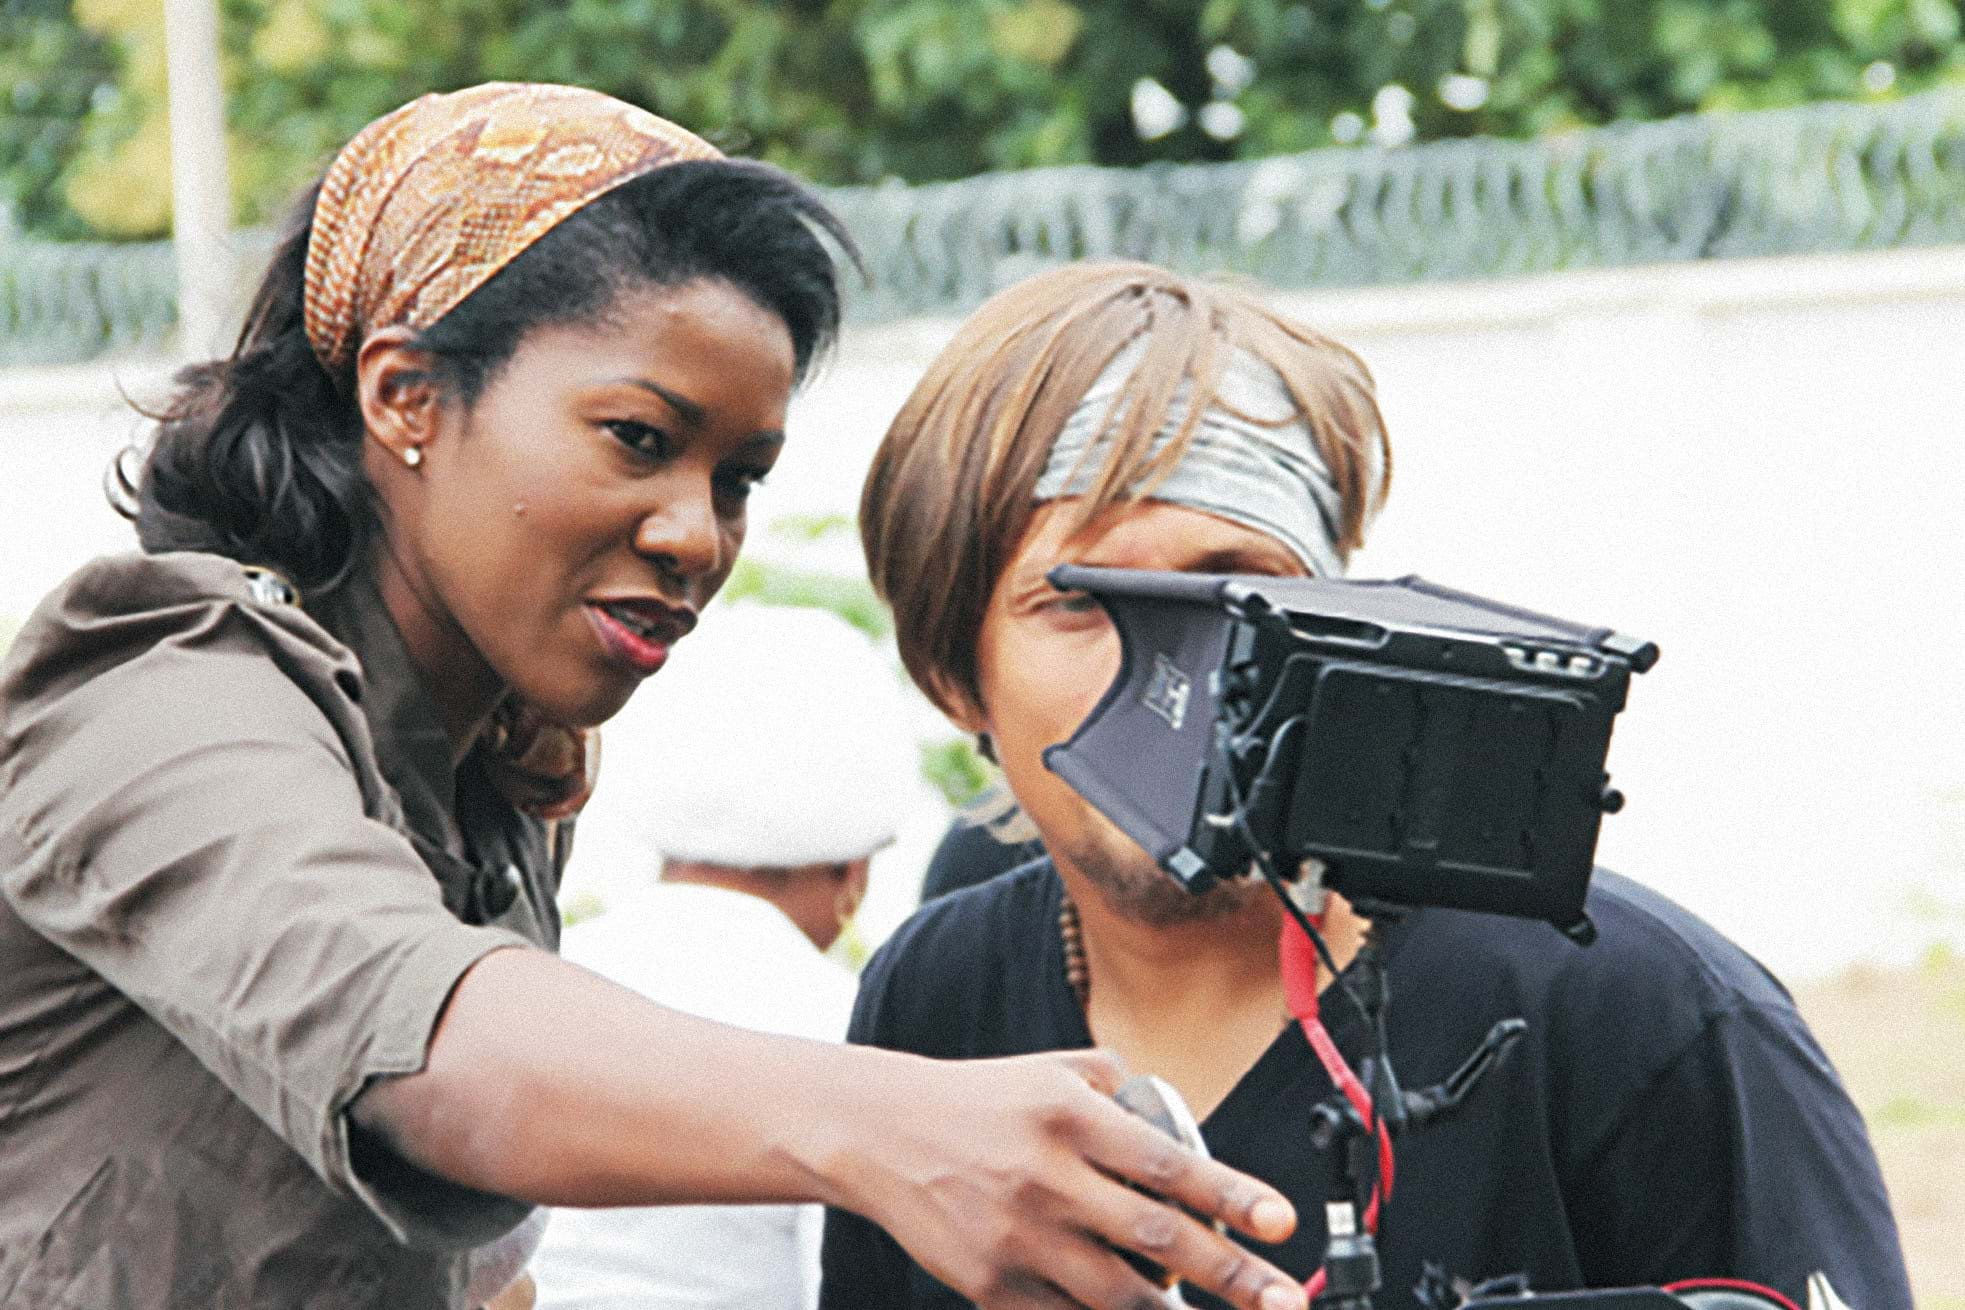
x=1430 y=747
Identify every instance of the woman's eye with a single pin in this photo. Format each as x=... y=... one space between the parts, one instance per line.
x=740 y=483
x=639 y=437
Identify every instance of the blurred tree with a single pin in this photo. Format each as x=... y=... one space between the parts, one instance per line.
x=859 y=90
x=851 y=598
x=119 y=183
x=956 y=769
x=53 y=74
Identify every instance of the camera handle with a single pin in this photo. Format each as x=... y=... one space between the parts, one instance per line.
x=1350 y=1272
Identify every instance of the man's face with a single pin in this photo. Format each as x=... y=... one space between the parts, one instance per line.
x=1045 y=657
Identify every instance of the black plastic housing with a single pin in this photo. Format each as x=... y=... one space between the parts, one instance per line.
x=1430 y=747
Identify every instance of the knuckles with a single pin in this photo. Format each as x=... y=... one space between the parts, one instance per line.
x=1058 y=1119
x=1103 y=1067
x=1155 y=1230
x=1237 y=1273
x=1164 y=1166
x=1031 y=1194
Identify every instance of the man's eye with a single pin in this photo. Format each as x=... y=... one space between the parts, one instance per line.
x=639 y=437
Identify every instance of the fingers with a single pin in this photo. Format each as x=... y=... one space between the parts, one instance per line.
x=1035 y=1297
x=1192 y=1252
x=1087 y=1274
x=1127 y=1146
x=1078 y=1272
x=1124 y=1145
x=1105 y=1071
x=1040 y=1218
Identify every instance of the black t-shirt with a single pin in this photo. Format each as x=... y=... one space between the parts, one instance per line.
x=970 y=853
x=1667 y=1115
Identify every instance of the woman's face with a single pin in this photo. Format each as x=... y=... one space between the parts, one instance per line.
x=558 y=535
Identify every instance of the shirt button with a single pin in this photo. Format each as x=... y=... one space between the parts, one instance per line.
x=497 y=891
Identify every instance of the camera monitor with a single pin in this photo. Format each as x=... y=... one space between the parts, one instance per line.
x=1429 y=747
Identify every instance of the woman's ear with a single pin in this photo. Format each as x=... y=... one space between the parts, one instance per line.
x=397 y=393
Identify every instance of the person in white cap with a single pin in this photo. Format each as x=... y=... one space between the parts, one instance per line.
x=746 y=792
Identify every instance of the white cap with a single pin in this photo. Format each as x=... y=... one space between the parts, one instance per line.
x=773 y=737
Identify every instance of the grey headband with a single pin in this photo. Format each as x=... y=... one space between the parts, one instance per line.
x=1269 y=478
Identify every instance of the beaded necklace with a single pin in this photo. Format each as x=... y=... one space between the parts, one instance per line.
x=1073 y=937
x=1077 y=974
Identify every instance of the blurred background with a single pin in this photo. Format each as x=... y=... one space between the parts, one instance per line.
x=1666 y=301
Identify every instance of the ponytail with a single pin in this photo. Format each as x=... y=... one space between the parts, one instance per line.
x=258 y=456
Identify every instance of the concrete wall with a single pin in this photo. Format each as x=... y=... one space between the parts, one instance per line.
x=1756 y=464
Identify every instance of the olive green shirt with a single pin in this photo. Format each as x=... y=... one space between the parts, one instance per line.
x=239 y=877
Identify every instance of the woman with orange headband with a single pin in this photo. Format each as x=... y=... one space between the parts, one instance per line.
x=280 y=796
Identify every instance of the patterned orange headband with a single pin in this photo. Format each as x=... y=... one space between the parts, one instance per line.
x=427 y=202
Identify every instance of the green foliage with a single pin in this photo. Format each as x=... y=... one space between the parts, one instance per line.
x=956 y=769
x=773 y=584
x=855 y=91
x=579 y=908
x=851 y=950
x=1916 y=1112
x=1933 y=909
x=812 y=527
x=54 y=76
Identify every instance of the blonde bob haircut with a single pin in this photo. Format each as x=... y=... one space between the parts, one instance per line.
x=952 y=487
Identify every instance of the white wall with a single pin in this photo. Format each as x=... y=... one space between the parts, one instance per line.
x=1756 y=464
x=58 y=430
x=1759 y=467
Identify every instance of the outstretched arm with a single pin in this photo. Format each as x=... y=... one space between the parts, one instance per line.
x=548 y=1083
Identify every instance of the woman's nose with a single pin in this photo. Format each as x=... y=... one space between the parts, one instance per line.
x=683 y=533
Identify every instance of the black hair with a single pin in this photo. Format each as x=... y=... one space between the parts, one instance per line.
x=258 y=456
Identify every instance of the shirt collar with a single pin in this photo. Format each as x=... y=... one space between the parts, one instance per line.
x=410 y=743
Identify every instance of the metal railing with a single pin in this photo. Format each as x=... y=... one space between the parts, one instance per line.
x=65 y=302
x=1827 y=177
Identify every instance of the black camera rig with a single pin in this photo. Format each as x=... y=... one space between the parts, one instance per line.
x=1428 y=746
x=1424 y=746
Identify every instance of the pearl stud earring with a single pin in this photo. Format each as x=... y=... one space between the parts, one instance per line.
x=413 y=456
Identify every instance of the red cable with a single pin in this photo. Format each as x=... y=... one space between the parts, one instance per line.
x=1730 y=1285
x=1298 y=956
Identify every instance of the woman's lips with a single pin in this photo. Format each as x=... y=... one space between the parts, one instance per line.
x=643 y=653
